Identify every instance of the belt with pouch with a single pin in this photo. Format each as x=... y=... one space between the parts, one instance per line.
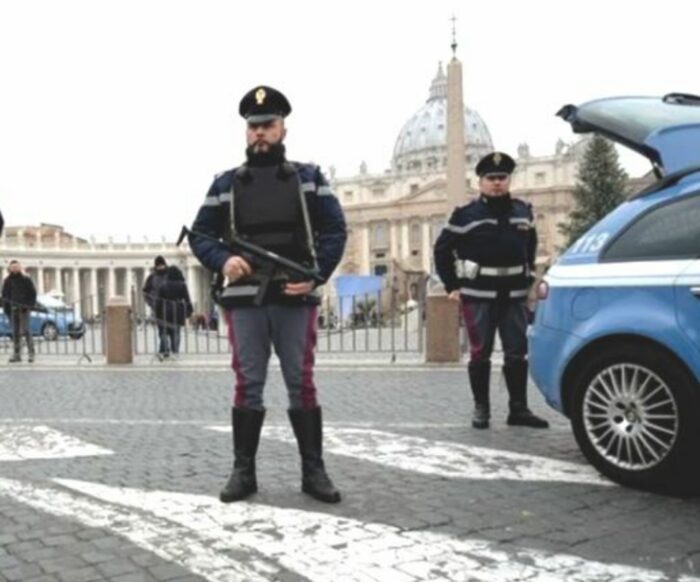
x=470 y=270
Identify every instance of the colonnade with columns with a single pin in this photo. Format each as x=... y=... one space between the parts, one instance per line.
x=89 y=287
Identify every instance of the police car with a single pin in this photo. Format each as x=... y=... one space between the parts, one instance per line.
x=615 y=344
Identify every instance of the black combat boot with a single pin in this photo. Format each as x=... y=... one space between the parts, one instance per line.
x=308 y=428
x=516 y=382
x=479 y=378
x=247 y=425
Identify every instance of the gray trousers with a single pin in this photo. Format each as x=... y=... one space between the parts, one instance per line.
x=253 y=332
x=20 y=329
x=483 y=318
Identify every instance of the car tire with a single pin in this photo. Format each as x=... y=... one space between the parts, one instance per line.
x=76 y=335
x=49 y=332
x=639 y=431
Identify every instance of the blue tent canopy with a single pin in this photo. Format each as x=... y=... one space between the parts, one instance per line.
x=360 y=287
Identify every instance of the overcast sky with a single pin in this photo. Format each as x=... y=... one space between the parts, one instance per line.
x=115 y=115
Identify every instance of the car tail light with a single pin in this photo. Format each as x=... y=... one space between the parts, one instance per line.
x=542 y=290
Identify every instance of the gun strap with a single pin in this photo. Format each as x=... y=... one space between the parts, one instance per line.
x=242 y=173
x=307 y=222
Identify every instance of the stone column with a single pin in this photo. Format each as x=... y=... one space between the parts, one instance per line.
x=40 y=280
x=139 y=278
x=111 y=283
x=365 y=261
x=394 y=240
x=427 y=247
x=94 y=292
x=58 y=272
x=405 y=246
x=129 y=284
x=77 y=291
x=192 y=286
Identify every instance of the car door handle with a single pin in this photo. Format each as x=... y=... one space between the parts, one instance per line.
x=695 y=291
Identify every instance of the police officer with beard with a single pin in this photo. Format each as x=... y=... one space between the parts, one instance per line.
x=485 y=257
x=288 y=208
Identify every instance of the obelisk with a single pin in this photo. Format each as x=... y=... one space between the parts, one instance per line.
x=456 y=167
x=442 y=314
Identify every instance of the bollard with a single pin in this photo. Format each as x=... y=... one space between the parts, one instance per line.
x=119 y=348
x=442 y=330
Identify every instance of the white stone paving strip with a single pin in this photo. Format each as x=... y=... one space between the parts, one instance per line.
x=194 y=530
x=23 y=443
x=155 y=533
x=443 y=458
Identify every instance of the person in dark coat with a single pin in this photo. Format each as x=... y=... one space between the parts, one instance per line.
x=150 y=295
x=18 y=299
x=172 y=306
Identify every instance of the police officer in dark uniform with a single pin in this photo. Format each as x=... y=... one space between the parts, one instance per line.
x=485 y=257
x=288 y=208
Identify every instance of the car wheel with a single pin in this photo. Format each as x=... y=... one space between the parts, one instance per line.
x=635 y=415
x=49 y=332
x=76 y=335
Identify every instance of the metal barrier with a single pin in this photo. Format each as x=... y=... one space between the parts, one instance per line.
x=166 y=330
x=149 y=332
x=389 y=321
x=56 y=328
x=392 y=320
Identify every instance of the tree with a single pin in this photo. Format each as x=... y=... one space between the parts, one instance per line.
x=600 y=186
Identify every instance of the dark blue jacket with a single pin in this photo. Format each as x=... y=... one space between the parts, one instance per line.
x=325 y=213
x=18 y=292
x=500 y=237
x=173 y=304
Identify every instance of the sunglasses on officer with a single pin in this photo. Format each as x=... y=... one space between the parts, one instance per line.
x=495 y=177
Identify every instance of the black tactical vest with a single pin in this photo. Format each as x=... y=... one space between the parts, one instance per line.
x=268 y=212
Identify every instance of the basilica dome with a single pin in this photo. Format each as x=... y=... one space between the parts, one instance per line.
x=422 y=143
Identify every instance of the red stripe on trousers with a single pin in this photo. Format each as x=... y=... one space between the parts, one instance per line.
x=308 y=389
x=476 y=347
x=239 y=391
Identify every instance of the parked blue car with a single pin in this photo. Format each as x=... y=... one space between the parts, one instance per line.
x=51 y=319
x=615 y=344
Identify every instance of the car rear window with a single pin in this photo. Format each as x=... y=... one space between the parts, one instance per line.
x=666 y=232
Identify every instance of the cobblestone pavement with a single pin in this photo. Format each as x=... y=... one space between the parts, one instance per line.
x=113 y=475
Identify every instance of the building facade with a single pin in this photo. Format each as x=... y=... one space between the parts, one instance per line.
x=394 y=217
x=86 y=273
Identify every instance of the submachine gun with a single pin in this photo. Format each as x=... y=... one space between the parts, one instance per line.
x=268 y=266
